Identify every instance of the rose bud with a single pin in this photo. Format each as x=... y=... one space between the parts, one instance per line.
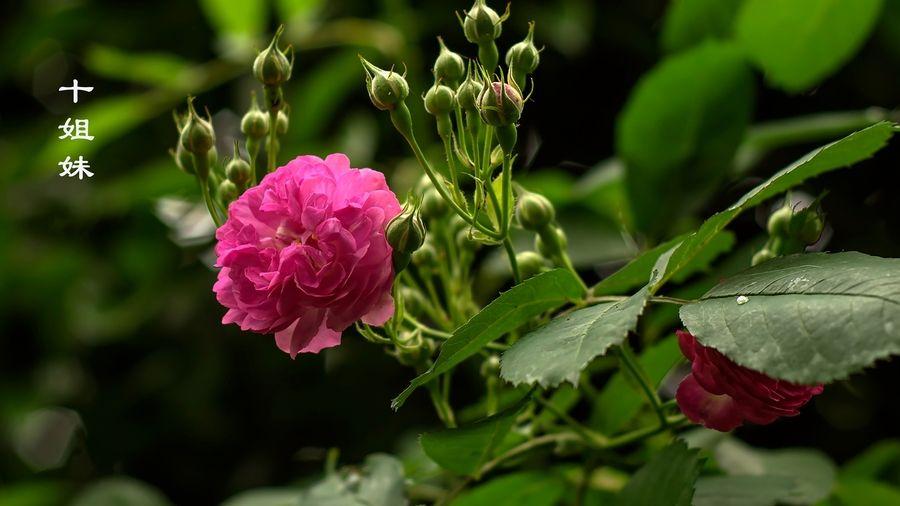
x=238 y=170
x=303 y=254
x=468 y=92
x=281 y=123
x=449 y=67
x=530 y=264
x=523 y=57
x=255 y=123
x=482 y=24
x=500 y=104
x=534 y=211
x=405 y=233
x=720 y=394
x=272 y=67
x=440 y=100
x=228 y=191
x=386 y=88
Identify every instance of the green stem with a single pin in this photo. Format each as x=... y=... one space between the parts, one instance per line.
x=210 y=205
x=272 y=143
x=626 y=355
x=513 y=263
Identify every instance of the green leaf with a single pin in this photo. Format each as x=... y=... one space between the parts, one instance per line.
x=680 y=129
x=742 y=490
x=811 y=471
x=558 y=351
x=546 y=291
x=856 y=492
x=620 y=401
x=668 y=478
x=637 y=271
x=844 y=152
x=465 y=449
x=120 y=491
x=808 y=319
x=162 y=70
x=689 y=22
x=873 y=463
x=525 y=488
x=297 y=10
x=799 y=43
x=32 y=493
x=244 y=18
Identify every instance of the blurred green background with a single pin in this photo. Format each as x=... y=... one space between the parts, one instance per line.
x=112 y=358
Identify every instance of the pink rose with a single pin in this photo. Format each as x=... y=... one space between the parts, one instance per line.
x=720 y=394
x=303 y=255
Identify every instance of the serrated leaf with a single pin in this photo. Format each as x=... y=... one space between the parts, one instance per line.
x=558 y=351
x=689 y=22
x=637 y=271
x=525 y=488
x=799 y=43
x=844 y=152
x=465 y=449
x=379 y=482
x=668 y=478
x=808 y=319
x=811 y=471
x=511 y=309
x=619 y=402
x=743 y=490
x=680 y=129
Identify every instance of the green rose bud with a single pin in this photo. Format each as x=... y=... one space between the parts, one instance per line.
x=530 y=264
x=255 y=123
x=197 y=135
x=433 y=205
x=272 y=67
x=387 y=89
x=468 y=92
x=534 y=211
x=482 y=24
x=523 y=57
x=440 y=100
x=551 y=242
x=807 y=225
x=780 y=220
x=281 y=123
x=500 y=104
x=238 y=170
x=449 y=67
x=762 y=256
x=405 y=233
x=227 y=191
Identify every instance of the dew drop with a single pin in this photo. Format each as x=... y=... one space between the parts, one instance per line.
x=742 y=299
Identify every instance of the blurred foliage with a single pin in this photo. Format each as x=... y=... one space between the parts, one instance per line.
x=113 y=363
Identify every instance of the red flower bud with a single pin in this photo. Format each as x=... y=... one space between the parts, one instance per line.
x=721 y=395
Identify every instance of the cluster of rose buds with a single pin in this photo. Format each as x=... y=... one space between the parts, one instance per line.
x=196 y=154
x=791 y=231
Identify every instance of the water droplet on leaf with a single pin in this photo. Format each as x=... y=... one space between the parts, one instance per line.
x=742 y=299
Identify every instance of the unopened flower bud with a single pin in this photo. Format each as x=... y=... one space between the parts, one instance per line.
x=433 y=205
x=413 y=300
x=482 y=24
x=490 y=368
x=780 y=220
x=440 y=100
x=426 y=256
x=449 y=67
x=807 y=225
x=500 y=104
x=413 y=349
x=405 y=233
x=386 y=88
x=255 y=123
x=762 y=256
x=182 y=159
x=197 y=136
x=272 y=66
x=535 y=212
x=238 y=170
x=523 y=57
x=281 y=123
x=530 y=264
x=227 y=191
x=468 y=92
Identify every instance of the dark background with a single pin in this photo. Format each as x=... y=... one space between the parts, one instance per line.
x=112 y=360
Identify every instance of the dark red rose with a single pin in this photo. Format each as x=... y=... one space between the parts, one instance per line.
x=721 y=395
